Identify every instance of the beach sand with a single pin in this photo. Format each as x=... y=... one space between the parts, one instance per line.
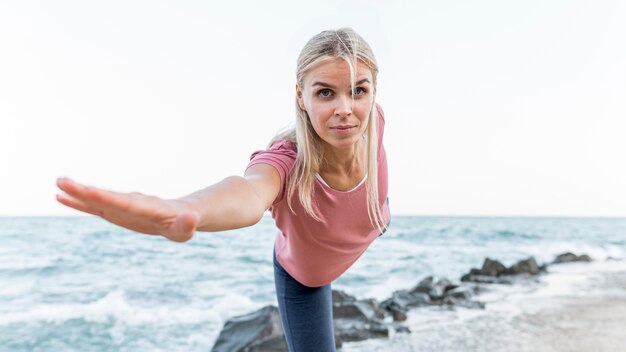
x=583 y=324
x=591 y=317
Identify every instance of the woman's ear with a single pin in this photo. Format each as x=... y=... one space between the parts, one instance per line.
x=299 y=97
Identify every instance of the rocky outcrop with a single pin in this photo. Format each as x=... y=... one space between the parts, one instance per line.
x=494 y=272
x=571 y=257
x=360 y=319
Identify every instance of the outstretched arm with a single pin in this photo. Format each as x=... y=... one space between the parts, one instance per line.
x=232 y=203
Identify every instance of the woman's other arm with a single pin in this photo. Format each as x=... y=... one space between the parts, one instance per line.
x=234 y=202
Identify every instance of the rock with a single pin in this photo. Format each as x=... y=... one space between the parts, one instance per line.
x=363 y=310
x=252 y=331
x=423 y=286
x=406 y=299
x=492 y=268
x=398 y=315
x=524 y=266
x=484 y=279
x=569 y=257
x=340 y=297
x=494 y=272
x=397 y=311
x=355 y=330
x=439 y=289
x=357 y=320
x=461 y=293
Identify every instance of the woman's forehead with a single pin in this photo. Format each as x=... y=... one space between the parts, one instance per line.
x=337 y=71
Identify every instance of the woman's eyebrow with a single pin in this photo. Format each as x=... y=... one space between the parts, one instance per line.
x=324 y=84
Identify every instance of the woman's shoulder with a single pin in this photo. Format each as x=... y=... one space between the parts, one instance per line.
x=281 y=149
x=283 y=144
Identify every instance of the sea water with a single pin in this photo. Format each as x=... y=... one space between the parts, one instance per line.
x=83 y=284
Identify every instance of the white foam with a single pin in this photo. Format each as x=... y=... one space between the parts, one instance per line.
x=112 y=307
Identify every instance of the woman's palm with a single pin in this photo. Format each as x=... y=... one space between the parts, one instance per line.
x=135 y=211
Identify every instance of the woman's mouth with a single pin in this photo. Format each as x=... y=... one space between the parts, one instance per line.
x=343 y=130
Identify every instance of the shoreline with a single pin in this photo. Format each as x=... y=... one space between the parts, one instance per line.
x=586 y=314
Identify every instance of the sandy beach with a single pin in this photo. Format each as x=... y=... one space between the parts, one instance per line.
x=587 y=315
x=582 y=324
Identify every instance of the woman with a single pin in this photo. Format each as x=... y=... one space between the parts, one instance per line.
x=324 y=180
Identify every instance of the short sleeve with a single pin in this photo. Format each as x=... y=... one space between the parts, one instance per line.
x=282 y=156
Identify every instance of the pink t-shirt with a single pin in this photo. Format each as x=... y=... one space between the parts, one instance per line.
x=316 y=253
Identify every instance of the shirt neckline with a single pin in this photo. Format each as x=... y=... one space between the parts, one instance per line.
x=321 y=180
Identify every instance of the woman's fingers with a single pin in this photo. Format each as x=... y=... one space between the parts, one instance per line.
x=135 y=211
x=94 y=196
x=78 y=205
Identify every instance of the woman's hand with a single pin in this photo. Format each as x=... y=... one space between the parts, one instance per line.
x=135 y=211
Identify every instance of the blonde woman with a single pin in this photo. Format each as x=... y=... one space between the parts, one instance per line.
x=324 y=181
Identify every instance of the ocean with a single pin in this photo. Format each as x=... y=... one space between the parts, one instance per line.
x=83 y=284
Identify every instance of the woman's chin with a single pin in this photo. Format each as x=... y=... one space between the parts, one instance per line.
x=343 y=143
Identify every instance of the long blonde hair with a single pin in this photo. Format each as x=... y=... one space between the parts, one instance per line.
x=346 y=44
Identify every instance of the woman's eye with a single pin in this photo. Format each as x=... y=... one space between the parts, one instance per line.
x=359 y=91
x=324 y=93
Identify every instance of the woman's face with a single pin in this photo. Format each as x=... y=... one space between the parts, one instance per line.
x=326 y=96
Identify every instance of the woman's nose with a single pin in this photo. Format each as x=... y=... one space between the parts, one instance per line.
x=344 y=105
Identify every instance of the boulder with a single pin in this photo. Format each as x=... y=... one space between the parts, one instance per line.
x=340 y=297
x=527 y=266
x=251 y=332
x=492 y=268
x=569 y=257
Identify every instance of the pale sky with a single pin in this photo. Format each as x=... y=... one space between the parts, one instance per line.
x=492 y=107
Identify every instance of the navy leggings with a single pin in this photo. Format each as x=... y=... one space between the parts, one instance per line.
x=305 y=312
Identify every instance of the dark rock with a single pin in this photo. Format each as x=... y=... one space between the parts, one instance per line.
x=340 y=297
x=397 y=311
x=363 y=309
x=398 y=315
x=423 y=286
x=348 y=311
x=440 y=288
x=461 y=293
x=492 y=268
x=259 y=328
x=355 y=330
x=524 y=266
x=569 y=257
x=484 y=279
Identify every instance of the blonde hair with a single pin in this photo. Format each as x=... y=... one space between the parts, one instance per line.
x=345 y=44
